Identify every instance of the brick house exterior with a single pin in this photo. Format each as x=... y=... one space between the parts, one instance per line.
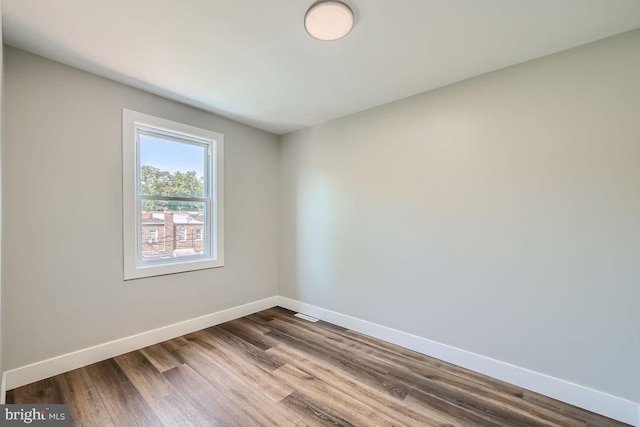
x=167 y=231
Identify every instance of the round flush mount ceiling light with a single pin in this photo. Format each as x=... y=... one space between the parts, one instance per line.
x=328 y=20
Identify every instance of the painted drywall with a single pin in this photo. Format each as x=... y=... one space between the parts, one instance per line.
x=62 y=199
x=499 y=215
x=2 y=395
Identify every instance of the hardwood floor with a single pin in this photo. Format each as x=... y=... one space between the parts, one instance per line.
x=272 y=368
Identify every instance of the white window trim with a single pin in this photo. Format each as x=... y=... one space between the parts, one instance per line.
x=198 y=232
x=131 y=221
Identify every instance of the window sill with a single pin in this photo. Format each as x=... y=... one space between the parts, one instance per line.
x=133 y=272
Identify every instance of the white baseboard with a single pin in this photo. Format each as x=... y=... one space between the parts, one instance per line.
x=593 y=400
x=77 y=359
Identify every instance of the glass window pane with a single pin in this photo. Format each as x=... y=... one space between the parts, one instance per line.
x=170 y=168
x=172 y=196
x=170 y=230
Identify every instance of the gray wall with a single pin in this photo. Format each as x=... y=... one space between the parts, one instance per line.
x=2 y=396
x=500 y=215
x=62 y=200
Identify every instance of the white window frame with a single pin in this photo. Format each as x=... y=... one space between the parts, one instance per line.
x=182 y=234
x=198 y=234
x=213 y=256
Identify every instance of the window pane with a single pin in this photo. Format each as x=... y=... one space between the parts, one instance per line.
x=169 y=168
x=170 y=230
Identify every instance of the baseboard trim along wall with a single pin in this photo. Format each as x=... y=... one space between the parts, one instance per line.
x=77 y=359
x=583 y=397
x=574 y=394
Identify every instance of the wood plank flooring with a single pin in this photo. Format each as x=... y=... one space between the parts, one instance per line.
x=272 y=368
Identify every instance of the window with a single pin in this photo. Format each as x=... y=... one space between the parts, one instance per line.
x=153 y=237
x=172 y=178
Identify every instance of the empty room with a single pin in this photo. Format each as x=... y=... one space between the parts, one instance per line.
x=308 y=213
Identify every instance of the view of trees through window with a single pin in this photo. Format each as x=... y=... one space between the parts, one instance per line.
x=173 y=197
x=156 y=182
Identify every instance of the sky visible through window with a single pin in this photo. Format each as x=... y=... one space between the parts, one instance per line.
x=171 y=156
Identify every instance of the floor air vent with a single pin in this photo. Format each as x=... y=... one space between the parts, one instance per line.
x=306 y=317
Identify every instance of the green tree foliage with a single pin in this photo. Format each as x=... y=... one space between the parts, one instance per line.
x=156 y=182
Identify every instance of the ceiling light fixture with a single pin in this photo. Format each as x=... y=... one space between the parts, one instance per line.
x=328 y=20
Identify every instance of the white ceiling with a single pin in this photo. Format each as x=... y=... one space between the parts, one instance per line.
x=251 y=60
